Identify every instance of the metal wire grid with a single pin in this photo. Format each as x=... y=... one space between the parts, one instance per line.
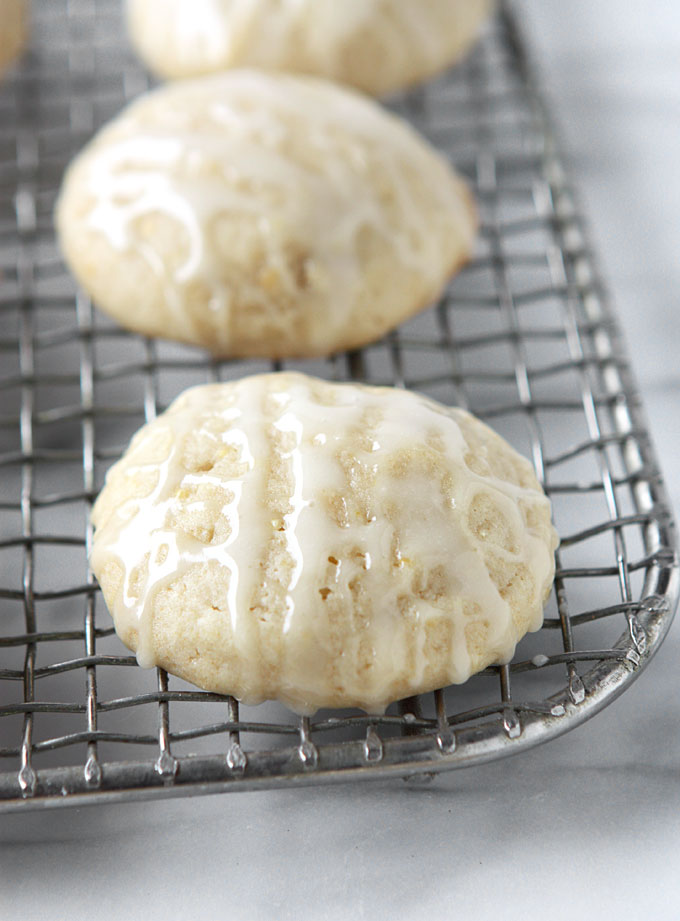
x=524 y=338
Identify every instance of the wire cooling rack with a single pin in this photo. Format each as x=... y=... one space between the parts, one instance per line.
x=524 y=338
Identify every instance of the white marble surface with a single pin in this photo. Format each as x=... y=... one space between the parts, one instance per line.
x=586 y=826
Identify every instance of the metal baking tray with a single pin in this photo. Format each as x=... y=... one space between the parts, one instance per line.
x=524 y=337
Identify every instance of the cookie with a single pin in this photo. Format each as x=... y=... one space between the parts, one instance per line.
x=375 y=45
x=323 y=544
x=13 y=30
x=262 y=215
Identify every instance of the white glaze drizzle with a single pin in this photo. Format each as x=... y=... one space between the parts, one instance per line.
x=214 y=34
x=142 y=527
x=217 y=147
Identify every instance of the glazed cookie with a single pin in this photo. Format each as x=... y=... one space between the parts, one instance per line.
x=13 y=29
x=326 y=545
x=262 y=214
x=375 y=45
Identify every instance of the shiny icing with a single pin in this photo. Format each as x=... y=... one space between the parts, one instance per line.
x=315 y=36
x=295 y=160
x=404 y=520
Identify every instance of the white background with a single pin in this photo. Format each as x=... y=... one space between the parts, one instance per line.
x=586 y=826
